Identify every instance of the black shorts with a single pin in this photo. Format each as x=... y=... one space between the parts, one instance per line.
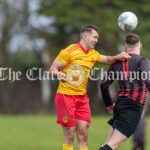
x=127 y=114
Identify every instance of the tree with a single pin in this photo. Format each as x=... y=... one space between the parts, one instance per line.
x=15 y=26
x=70 y=16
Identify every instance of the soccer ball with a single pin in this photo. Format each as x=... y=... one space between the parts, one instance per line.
x=127 y=21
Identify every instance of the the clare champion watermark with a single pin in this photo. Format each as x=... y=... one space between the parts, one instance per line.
x=75 y=75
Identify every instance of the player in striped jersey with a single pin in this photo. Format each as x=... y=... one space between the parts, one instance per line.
x=72 y=66
x=133 y=77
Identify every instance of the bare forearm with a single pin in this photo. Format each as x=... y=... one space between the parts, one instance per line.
x=109 y=60
x=112 y=59
x=56 y=74
x=53 y=72
x=122 y=56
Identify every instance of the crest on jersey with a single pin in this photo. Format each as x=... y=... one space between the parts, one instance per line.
x=75 y=75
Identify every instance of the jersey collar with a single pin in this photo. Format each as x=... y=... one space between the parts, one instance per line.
x=86 y=52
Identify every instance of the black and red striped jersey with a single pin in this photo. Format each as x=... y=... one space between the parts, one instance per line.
x=133 y=77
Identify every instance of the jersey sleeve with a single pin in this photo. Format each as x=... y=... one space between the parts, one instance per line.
x=99 y=57
x=64 y=57
x=108 y=79
x=145 y=69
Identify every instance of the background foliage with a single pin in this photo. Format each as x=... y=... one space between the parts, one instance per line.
x=32 y=32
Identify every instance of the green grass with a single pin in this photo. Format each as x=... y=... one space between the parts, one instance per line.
x=42 y=133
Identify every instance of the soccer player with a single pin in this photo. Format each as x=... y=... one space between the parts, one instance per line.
x=72 y=67
x=134 y=80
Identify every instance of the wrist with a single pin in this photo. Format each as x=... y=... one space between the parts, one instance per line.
x=112 y=59
x=116 y=57
x=55 y=74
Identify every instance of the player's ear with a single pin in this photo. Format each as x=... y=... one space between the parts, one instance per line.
x=84 y=36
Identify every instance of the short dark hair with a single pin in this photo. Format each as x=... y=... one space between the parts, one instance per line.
x=132 y=39
x=88 y=29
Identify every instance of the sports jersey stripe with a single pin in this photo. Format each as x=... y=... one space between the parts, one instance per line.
x=121 y=93
x=127 y=92
x=143 y=95
x=140 y=91
x=72 y=48
x=135 y=94
x=124 y=92
x=124 y=74
x=127 y=67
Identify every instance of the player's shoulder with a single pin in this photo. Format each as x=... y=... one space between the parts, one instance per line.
x=139 y=58
x=143 y=58
x=72 y=47
x=95 y=51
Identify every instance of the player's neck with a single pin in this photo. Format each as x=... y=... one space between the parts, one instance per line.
x=133 y=51
x=84 y=45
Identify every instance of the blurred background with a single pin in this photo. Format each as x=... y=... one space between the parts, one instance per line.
x=32 y=33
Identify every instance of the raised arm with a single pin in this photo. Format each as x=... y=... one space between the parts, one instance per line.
x=109 y=60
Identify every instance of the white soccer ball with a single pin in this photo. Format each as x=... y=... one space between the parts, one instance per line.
x=127 y=21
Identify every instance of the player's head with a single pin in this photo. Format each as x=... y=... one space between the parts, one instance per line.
x=133 y=41
x=89 y=34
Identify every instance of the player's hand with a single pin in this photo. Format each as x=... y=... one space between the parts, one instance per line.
x=62 y=77
x=123 y=56
x=111 y=109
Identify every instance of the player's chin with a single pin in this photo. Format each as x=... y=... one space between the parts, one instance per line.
x=92 y=46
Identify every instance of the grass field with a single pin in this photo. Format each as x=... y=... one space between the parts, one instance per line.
x=41 y=132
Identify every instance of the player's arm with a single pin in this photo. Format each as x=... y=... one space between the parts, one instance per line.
x=109 y=60
x=60 y=62
x=105 y=83
x=145 y=69
x=55 y=68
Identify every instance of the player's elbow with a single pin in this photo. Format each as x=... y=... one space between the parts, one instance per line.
x=104 y=87
x=52 y=70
